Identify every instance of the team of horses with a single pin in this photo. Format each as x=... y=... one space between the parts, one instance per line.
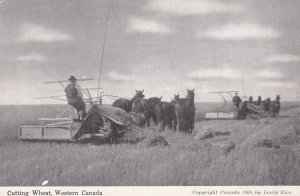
x=178 y=114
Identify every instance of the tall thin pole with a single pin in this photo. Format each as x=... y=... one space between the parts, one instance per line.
x=103 y=48
x=243 y=85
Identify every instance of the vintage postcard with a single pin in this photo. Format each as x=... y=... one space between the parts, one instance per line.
x=169 y=97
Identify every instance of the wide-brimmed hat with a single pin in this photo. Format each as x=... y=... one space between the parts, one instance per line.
x=72 y=78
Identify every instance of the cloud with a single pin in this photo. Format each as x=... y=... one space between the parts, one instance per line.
x=279 y=84
x=146 y=26
x=237 y=32
x=222 y=73
x=31 y=57
x=268 y=74
x=115 y=76
x=38 y=33
x=194 y=7
x=283 y=58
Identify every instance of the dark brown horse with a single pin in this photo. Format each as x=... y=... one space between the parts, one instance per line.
x=126 y=104
x=266 y=104
x=165 y=113
x=258 y=101
x=153 y=101
x=190 y=110
x=180 y=110
x=185 y=111
x=141 y=105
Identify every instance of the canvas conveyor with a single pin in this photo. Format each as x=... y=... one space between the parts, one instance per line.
x=247 y=108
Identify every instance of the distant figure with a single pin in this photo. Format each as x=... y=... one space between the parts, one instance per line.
x=266 y=104
x=250 y=99
x=258 y=102
x=75 y=97
x=236 y=100
x=275 y=107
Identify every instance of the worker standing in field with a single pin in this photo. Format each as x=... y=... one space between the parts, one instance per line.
x=236 y=100
x=250 y=99
x=75 y=97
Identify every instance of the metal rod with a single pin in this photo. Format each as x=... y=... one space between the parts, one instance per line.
x=94 y=88
x=115 y=96
x=222 y=96
x=85 y=92
x=54 y=119
x=103 y=47
x=62 y=81
x=224 y=92
x=90 y=97
x=62 y=85
x=54 y=97
x=59 y=99
x=50 y=97
x=59 y=123
x=64 y=111
x=243 y=85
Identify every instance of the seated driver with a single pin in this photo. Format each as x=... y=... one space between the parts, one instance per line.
x=75 y=97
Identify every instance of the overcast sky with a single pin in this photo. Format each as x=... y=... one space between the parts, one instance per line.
x=161 y=46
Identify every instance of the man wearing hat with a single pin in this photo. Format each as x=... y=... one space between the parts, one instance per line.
x=236 y=100
x=75 y=97
x=250 y=99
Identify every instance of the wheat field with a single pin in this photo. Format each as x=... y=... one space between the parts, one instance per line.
x=231 y=152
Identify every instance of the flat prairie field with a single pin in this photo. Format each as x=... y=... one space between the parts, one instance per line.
x=218 y=152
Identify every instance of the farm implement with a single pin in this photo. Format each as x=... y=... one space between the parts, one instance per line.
x=247 y=109
x=102 y=122
x=254 y=111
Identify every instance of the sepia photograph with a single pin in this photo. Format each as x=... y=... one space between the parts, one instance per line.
x=147 y=93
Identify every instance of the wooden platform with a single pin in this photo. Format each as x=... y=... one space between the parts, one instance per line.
x=63 y=132
x=220 y=115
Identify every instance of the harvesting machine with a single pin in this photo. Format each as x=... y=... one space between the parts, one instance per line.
x=230 y=113
x=102 y=122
